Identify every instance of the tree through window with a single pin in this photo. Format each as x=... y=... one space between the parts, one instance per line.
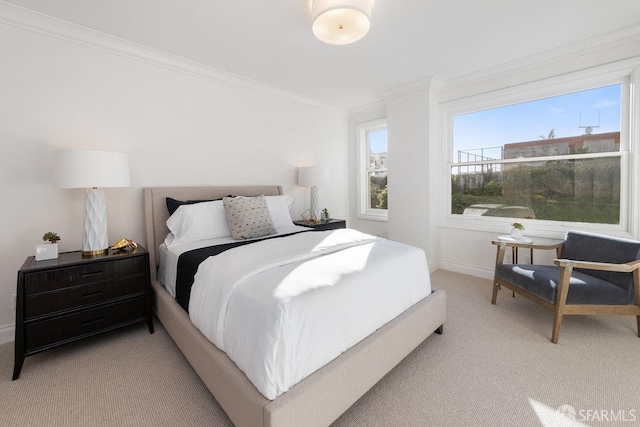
x=556 y=158
x=373 y=165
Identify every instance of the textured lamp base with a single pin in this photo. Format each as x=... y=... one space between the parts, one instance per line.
x=99 y=252
x=94 y=234
x=315 y=205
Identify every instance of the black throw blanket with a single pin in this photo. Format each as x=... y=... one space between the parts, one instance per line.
x=189 y=261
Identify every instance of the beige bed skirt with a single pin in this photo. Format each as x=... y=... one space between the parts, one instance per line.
x=322 y=397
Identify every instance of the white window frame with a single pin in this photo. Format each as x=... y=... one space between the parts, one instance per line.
x=626 y=73
x=364 y=209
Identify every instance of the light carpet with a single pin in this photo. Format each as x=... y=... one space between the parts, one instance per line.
x=494 y=365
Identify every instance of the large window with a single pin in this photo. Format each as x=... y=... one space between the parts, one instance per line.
x=373 y=170
x=559 y=158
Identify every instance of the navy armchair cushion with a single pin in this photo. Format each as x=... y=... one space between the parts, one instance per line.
x=581 y=246
x=542 y=281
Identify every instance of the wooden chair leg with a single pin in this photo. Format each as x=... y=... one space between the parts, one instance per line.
x=561 y=300
x=557 y=324
x=500 y=249
x=636 y=291
x=494 y=297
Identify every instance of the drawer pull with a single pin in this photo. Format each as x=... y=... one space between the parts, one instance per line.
x=91 y=322
x=85 y=275
x=92 y=294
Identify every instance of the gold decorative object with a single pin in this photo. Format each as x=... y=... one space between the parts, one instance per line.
x=125 y=244
x=309 y=217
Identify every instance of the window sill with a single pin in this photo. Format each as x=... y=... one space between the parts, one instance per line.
x=373 y=216
x=533 y=228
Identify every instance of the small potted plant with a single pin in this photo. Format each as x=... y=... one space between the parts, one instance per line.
x=517 y=230
x=50 y=250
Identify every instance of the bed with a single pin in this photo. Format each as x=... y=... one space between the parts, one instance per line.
x=321 y=397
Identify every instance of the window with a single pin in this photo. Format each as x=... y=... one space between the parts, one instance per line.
x=559 y=158
x=373 y=170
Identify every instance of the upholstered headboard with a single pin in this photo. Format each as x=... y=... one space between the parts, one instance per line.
x=156 y=213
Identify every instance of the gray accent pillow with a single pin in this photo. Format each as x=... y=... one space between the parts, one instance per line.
x=248 y=217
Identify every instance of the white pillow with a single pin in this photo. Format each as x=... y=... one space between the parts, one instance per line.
x=199 y=221
x=279 y=207
x=168 y=240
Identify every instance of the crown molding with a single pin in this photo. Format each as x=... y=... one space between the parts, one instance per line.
x=425 y=83
x=419 y=85
x=31 y=20
x=454 y=87
x=369 y=108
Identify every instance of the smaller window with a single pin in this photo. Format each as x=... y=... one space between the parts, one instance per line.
x=373 y=162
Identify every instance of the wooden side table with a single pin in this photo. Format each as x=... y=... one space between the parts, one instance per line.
x=70 y=298
x=515 y=245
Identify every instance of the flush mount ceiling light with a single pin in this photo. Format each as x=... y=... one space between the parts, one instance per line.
x=341 y=21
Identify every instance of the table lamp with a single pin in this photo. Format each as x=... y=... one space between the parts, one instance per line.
x=313 y=176
x=92 y=170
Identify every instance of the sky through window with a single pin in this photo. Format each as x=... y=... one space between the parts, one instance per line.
x=534 y=120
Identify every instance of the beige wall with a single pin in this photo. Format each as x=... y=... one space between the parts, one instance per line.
x=177 y=129
x=414 y=167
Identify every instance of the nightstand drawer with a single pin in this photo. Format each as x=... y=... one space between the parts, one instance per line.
x=129 y=267
x=79 y=296
x=40 y=335
x=65 y=277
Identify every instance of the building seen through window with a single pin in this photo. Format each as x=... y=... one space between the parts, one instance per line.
x=556 y=159
x=378 y=169
x=373 y=163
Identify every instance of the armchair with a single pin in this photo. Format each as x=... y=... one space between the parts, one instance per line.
x=593 y=274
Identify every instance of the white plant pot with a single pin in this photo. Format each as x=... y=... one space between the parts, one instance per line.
x=48 y=251
x=516 y=233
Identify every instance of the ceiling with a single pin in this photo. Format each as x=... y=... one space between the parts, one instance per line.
x=271 y=40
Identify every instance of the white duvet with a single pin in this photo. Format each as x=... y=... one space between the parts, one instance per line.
x=283 y=308
x=168 y=270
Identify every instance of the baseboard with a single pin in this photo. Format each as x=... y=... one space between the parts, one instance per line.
x=7 y=333
x=465 y=269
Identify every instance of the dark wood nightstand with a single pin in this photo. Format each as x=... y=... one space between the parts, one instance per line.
x=71 y=298
x=331 y=224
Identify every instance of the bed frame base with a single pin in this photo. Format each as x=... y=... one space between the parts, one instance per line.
x=324 y=395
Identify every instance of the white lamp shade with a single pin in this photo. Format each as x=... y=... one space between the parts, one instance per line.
x=313 y=176
x=341 y=22
x=90 y=169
